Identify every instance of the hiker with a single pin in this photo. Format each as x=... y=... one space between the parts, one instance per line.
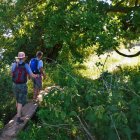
x=36 y=65
x=19 y=71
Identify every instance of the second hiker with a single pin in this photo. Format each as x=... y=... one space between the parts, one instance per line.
x=36 y=65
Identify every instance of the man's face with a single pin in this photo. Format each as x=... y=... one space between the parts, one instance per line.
x=40 y=57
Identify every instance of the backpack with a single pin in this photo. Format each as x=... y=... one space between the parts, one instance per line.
x=20 y=74
x=34 y=66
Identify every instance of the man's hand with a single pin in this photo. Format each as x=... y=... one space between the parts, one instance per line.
x=34 y=75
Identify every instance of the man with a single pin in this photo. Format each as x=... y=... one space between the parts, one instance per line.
x=36 y=65
x=19 y=71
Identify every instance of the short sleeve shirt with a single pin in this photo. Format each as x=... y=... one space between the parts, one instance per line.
x=28 y=69
x=40 y=64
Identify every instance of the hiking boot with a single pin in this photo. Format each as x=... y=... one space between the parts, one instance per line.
x=35 y=101
x=19 y=120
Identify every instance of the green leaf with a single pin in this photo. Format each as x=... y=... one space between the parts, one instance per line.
x=73 y=113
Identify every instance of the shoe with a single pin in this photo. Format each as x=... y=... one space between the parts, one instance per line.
x=22 y=114
x=19 y=120
x=35 y=101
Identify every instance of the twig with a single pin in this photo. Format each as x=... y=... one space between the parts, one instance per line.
x=130 y=91
x=115 y=127
x=85 y=129
x=105 y=62
x=62 y=126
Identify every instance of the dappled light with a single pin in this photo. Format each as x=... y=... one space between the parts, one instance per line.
x=83 y=82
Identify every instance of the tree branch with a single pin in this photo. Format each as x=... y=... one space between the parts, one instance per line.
x=136 y=2
x=120 y=2
x=85 y=129
x=122 y=9
x=125 y=55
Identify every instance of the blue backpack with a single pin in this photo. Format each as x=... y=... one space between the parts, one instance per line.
x=20 y=74
x=34 y=65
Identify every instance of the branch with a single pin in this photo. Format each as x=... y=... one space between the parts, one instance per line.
x=115 y=127
x=136 y=2
x=85 y=129
x=125 y=55
x=29 y=7
x=120 y=2
x=122 y=9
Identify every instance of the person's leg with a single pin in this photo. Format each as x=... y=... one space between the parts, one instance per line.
x=34 y=89
x=21 y=100
x=38 y=85
x=37 y=93
x=17 y=92
x=19 y=108
x=35 y=84
x=34 y=94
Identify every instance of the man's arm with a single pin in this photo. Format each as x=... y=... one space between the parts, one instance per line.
x=40 y=67
x=29 y=71
x=42 y=72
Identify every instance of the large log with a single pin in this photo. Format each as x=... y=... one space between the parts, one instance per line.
x=12 y=128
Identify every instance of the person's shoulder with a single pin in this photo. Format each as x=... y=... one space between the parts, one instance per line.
x=14 y=63
x=40 y=62
x=26 y=65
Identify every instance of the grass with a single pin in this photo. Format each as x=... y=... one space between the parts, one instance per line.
x=95 y=65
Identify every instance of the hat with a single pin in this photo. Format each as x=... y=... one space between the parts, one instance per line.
x=21 y=55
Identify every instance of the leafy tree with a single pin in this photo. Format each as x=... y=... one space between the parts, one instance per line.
x=77 y=25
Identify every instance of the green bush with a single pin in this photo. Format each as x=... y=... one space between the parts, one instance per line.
x=107 y=107
x=7 y=103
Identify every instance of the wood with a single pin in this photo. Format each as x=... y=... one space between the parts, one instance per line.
x=12 y=128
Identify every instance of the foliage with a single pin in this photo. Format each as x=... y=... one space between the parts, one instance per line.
x=107 y=107
x=68 y=31
x=52 y=26
x=7 y=103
